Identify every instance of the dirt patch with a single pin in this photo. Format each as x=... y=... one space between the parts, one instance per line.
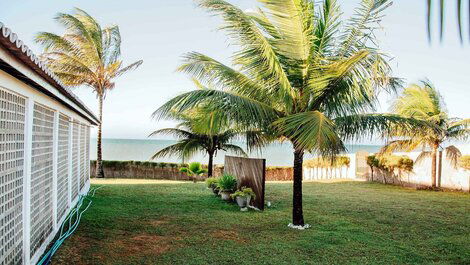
x=142 y=245
x=228 y=235
x=156 y=223
x=73 y=252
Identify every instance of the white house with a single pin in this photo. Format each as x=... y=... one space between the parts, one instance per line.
x=44 y=152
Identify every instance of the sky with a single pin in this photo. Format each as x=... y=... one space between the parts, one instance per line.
x=160 y=32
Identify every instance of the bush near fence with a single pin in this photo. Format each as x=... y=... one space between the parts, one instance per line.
x=170 y=171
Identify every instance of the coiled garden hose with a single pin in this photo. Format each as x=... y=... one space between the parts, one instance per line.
x=72 y=224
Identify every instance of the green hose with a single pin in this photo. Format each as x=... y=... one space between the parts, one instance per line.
x=72 y=226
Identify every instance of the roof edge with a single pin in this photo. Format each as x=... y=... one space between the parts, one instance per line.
x=10 y=41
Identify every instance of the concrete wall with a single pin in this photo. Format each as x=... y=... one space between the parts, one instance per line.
x=452 y=178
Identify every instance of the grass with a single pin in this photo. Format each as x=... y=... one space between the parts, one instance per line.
x=352 y=223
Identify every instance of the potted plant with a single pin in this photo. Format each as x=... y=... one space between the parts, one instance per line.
x=212 y=184
x=243 y=197
x=226 y=184
x=194 y=170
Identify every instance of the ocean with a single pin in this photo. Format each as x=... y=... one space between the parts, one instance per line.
x=276 y=154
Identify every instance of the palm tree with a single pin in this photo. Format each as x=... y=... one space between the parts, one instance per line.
x=199 y=131
x=85 y=54
x=300 y=75
x=423 y=102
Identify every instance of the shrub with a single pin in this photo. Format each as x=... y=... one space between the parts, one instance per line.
x=212 y=182
x=227 y=183
x=390 y=162
x=321 y=162
x=464 y=162
x=244 y=192
x=193 y=169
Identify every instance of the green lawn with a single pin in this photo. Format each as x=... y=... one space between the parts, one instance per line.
x=352 y=223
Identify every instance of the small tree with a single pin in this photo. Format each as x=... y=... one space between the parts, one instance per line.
x=372 y=162
x=194 y=170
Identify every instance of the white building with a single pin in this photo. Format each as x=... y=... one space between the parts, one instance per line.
x=44 y=152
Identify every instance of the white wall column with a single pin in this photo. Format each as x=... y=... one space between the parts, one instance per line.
x=27 y=180
x=55 y=154
x=70 y=164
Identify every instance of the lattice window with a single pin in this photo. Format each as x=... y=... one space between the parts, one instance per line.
x=12 y=122
x=63 y=166
x=41 y=176
x=75 y=153
x=82 y=155
x=87 y=176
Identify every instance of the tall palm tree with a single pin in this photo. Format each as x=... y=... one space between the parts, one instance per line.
x=85 y=54
x=300 y=74
x=423 y=102
x=199 y=131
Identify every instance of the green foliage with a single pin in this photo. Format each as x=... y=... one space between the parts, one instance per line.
x=372 y=161
x=227 y=183
x=464 y=162
x=148 y=164
x=390 y=162
x=193 y=169
x=237 y=193
x=211 y=182
x=244 y=192
x=321 y=162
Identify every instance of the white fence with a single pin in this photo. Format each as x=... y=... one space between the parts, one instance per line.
x=452 y=178
x=39 y=184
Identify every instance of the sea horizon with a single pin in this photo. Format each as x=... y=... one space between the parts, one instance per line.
x=276 y=154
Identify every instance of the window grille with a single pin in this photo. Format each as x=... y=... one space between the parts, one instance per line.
x=41 y=176
x=75 y=153
x=12 y=122
x=87 y=176
x=63 y=166
x=82 y=155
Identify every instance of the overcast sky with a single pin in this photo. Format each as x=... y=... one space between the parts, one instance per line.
x=159 y=32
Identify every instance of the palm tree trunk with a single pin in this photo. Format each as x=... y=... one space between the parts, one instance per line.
x=99 y=156
x=210 y=165
x=297 y=211
x=371 y=173
x=433 y=166
x=439 y=170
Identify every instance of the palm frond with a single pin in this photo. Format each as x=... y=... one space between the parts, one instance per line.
x=130 y=67
x=453 y=155
x=312 y=131
x=235 y=149
x=257 y=56
x=368 y=125
x=178 y=133
x=236 y=107
x=423 y=156
x=407 y=145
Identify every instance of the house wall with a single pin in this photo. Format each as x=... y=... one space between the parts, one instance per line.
x=37 y=177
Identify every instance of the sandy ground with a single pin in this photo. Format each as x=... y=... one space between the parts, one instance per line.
x=162 y=181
